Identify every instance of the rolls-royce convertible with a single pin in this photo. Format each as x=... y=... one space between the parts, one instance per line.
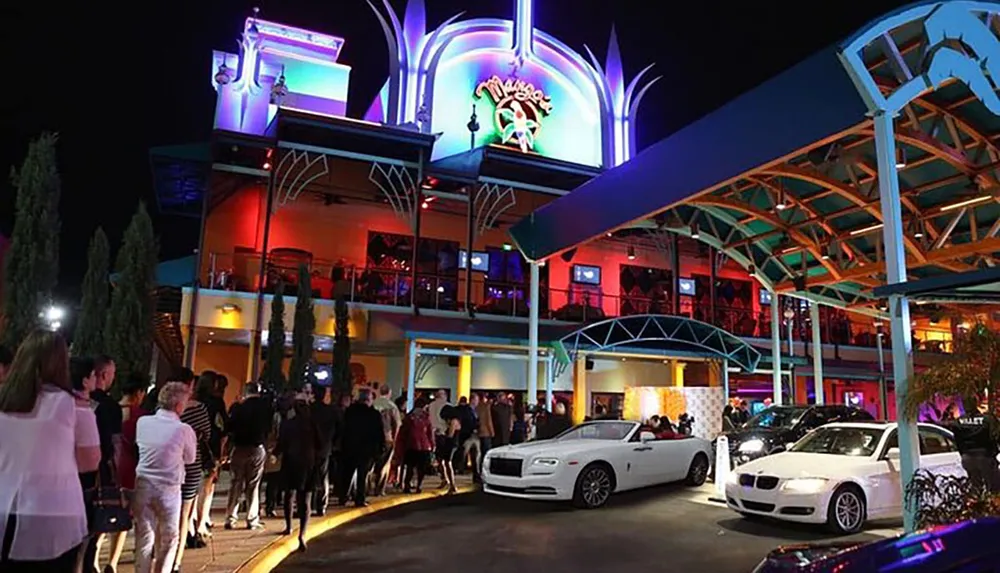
x=589 y=462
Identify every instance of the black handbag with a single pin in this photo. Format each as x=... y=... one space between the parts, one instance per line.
x=110 y=510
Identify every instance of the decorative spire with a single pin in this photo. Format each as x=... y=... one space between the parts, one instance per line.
x=524 y=29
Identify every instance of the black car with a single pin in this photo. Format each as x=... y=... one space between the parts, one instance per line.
x=775 y=428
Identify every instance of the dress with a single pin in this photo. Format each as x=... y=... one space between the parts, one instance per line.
x=39 y=483
x=128 y=454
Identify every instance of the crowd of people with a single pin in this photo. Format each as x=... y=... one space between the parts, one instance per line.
x=162 y=448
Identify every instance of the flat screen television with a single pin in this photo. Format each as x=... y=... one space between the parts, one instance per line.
x=480 y=261
x=687 y=287
x=586 y=275
x=765 y=297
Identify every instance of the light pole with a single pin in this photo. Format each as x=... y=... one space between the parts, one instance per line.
x=883 y=386
x=789 y=316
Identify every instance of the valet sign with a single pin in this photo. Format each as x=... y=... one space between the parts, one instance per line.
x=520 y=110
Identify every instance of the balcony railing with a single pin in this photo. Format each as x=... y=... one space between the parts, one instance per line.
x=392 y=287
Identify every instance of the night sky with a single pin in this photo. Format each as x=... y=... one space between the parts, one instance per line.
x=117 y=79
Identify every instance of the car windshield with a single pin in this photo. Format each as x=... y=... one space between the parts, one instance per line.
x=598 y=431
x=776 y=417
x=840 y=441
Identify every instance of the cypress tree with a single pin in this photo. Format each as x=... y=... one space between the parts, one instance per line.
x=88 y=340
x=31 y=266
x=273 y=374
x=302 y=332
x=342 y=380
x=128 y=333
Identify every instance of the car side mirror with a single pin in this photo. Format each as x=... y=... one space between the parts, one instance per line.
x=647 y=437
x=892 y=454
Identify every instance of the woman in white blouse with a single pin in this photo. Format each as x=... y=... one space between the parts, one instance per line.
x=49 y=437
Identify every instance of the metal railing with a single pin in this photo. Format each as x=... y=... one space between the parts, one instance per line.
x=392 y=287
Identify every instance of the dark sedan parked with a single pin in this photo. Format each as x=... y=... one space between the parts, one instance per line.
x=777 y=427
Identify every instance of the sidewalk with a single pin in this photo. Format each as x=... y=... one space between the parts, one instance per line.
x=243 y=549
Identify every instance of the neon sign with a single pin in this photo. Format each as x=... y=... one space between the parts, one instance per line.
x=520 y=107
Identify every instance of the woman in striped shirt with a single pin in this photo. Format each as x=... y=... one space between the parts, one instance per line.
x=195 y=415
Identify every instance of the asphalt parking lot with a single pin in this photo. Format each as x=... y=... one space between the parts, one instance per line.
x=663 y=529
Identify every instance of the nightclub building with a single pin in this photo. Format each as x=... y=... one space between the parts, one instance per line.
x=405 y=212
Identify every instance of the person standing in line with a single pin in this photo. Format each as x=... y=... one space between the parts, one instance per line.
x=133 y=393
x=324 y=415
x=487 y=429
x=6 y=357
x=196 y=416
x=109 y=425
x=503 y=420
x=417 y=439
x=43 y=521
x=166 y=445
x=391 y=421
x=362 y=443
x=211 y=389
x=468 y=437
x=249 y=425
x=298 y=444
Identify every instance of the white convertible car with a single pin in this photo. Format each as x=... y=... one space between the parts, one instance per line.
x=838 y=474
x=589 y=462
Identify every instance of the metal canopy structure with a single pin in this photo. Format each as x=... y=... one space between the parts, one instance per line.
x=784 y=178
x=977 y=287
x=645 y=330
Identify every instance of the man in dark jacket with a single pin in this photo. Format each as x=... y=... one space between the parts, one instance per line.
x=976 y=443
x=362 y=442
x=503 y=420
x=250 y=423
x=325 y=417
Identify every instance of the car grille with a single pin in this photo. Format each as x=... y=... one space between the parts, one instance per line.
x=760 y=482
x=767 y=482
x=505 y=467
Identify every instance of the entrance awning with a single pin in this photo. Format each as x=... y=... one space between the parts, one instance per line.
x=809 y=103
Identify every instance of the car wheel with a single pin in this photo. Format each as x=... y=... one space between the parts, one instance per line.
x=593 y=487
x=848 y=510
x=698 y=472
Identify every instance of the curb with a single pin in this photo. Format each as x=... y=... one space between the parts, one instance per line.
x=268 y=557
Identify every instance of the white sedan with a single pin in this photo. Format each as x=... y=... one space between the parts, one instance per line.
x=589 y=462
x=839 y=474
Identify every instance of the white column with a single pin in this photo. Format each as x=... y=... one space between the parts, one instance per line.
x=550 y=379
x=725 y=382
x=411 y=374
x=899 y=306
x=776 y=348
x=817 y=352
x=533 y=336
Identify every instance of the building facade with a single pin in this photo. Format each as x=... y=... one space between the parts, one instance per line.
x=405 y=212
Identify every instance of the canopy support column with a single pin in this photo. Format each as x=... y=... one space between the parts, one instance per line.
x=899 y=306
x=533 y=300
x=776 y=349
x=550 y=379
x=817 y=341
x=411 y=374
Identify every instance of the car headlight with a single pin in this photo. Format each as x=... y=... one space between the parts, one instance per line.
x=805 y=485
x=751 y=446
x=545 y=462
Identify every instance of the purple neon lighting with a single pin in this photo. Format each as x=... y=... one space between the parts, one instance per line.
x=324 y=42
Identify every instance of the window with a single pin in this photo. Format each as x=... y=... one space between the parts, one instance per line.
x=934 y=442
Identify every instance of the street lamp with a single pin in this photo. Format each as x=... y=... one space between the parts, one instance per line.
x=53 y=317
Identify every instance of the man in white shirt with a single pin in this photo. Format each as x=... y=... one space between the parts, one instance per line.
x=165 y=445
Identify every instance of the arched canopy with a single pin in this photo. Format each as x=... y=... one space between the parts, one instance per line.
x=783 y=179
x=647 y=330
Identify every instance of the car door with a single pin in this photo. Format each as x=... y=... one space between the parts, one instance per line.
x=643 y=464
x=671 y=459
x=887 y=495
x=938 y=452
